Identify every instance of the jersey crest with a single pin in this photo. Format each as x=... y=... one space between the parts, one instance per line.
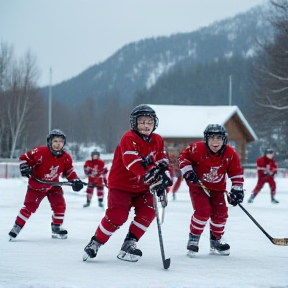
x=213 y=176
x=53 y=173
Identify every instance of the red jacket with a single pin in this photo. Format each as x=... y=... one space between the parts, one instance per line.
x=212 y=169
x=95 y=171
x=266 y=166
x=127 y=172
x=48 y=167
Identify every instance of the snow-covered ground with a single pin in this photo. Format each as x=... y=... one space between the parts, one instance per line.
x=35 y=260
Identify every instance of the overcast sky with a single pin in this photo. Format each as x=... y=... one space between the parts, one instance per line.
x=71 y=35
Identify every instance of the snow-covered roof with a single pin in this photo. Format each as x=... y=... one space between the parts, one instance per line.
x=183 y=121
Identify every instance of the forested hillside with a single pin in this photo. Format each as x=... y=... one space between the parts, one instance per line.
x=203 y=67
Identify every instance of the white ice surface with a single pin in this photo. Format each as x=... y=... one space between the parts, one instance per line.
x=35 y=260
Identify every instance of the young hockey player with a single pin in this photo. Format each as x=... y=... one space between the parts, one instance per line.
x=46 y=163
x=138 y=159
x=96 y=173
x=266 y=168
x=207 y=163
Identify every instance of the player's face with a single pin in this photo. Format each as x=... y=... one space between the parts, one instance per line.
x=95 y=156
x=215 y=142
x=57 y=143
x=145 y=125
x=270 y=155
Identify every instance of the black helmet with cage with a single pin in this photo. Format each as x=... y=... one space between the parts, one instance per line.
x=50 y=136
x=95 y=154
x=216 y=129
x=268 y=151
x=142 y=110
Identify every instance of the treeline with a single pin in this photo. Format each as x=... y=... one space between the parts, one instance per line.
x=24 y=111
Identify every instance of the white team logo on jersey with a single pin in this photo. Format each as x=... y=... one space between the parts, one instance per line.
x=53 y=174
x=94 y=171
x=212 y=176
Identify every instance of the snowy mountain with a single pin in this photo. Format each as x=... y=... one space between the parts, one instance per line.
x=139 y=64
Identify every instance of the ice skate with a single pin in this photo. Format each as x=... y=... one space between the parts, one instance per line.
x=251 y=199
x=58 y=232
x=87 y=204
x=100 y=203
x=192 y=245
x=218 y=247
x=90 y=251
x=14 y=232
x=129 y=251
x=274 y=201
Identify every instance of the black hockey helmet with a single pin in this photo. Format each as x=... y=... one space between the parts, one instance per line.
x=50 y=136
x=268 y=151
x=142 y=110
x=216 y=129
x=95 y=152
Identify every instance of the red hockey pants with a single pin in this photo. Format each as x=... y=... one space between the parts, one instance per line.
x=119 y=205
x=33 y=199
x=205 y=207
x=260 y=183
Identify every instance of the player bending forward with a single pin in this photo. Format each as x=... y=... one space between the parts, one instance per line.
x=139 y=157
x=46 y=163
x=209 y=162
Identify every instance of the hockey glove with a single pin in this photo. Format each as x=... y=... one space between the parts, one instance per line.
x=25 y=170
x=167 y=179
x=157 y=187
x=147 y=161
x=77 y=185
x=161 y=184
x=191 y=176
x=269 y=173
x=236 y=195
x=155 y=172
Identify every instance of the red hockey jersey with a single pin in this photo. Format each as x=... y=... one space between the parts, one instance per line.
x=266 y=166
x=48 y=167
x=95 y=171
x=127 y=172
x=212 y=169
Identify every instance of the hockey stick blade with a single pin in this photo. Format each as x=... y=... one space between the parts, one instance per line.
x=280 y=241
x=166 y=263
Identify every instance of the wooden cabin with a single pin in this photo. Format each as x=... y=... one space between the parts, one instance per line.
x=181 y=125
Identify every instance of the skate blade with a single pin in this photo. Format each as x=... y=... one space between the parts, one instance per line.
x=191 y=254
x=221 y=253
x=57 y=236
x=85 y=256
x=11 y=239
x=128 y=257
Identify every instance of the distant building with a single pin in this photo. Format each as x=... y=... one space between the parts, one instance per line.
x=181 y=125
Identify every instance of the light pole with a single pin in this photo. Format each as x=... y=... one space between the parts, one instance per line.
x=50 y=102
x=230 y=90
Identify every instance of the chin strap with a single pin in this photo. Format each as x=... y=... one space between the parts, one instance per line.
x=145 y=138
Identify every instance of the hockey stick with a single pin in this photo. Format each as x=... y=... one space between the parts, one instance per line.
x=59 y=184
x=166 y=262
x=276 y=241
x=164 y=202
